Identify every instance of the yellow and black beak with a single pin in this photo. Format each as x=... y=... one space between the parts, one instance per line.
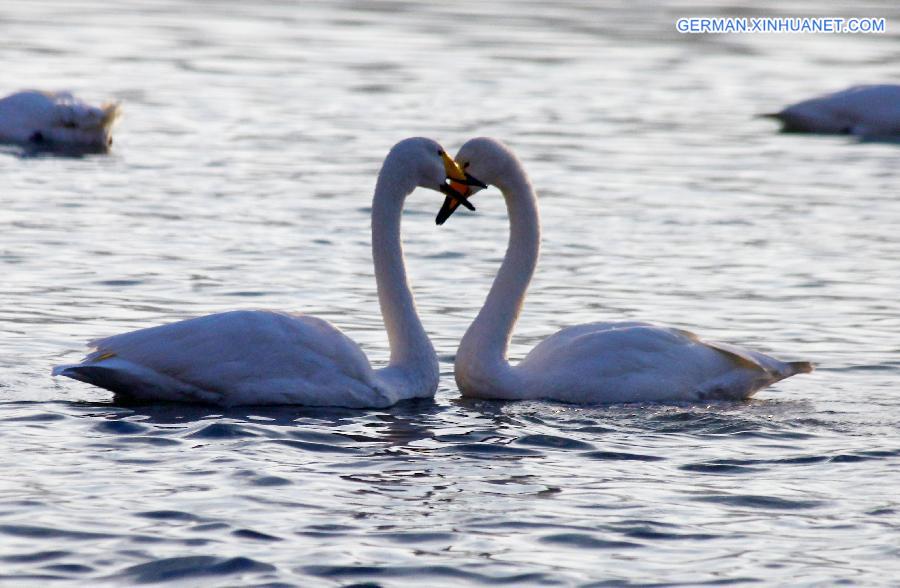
x=457 y=189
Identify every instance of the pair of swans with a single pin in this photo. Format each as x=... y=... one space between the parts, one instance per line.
x=56 y=121
x=263 y=357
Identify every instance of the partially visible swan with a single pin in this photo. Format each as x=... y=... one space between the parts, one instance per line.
x=863 y=111
x=56 y=120
x=261 y=357
x=589 y=363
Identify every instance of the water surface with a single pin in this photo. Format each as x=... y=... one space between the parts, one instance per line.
x=241 y=177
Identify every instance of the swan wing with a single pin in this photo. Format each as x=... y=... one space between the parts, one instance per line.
x=637 y=362
x=234 y=358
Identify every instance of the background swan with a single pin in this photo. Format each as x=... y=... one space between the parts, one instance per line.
x=263 y=357
x=864 y=111
x=590 y=363
x=56 y=120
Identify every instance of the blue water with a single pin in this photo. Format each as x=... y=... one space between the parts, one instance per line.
x=241 y=176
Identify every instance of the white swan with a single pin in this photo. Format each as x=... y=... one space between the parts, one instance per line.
x=56 y=120
x=590 y=363
x=262 y=357
x=863 y=111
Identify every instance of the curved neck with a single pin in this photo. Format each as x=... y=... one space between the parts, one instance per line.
x=412 y=355
x=482 y=351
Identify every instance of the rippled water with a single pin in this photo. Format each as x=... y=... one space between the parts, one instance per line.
x=241 y=177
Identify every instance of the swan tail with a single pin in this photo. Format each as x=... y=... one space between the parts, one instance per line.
x=135 y=382
x=766 y=371
x=789 y=123
x=808 y=120
x=117 y=376
x=784 y=371
x=111 y=112
x=737 y=386
x=101 y=376
x=799 y=367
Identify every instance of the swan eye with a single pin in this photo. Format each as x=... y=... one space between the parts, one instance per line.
x=465 y=165
x=69 y=125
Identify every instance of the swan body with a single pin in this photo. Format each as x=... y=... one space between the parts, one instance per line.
x=863 y=111
x=601 y=362
x=295 y=359
x=643 y=362
x=56 y=120
x=261 y=357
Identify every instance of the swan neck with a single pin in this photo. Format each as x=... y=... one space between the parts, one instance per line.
x=412 y=354
x=483 y=350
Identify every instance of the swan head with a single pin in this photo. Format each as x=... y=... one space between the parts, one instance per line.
x=57 y=121
x=484 y=161
x=421 y=162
